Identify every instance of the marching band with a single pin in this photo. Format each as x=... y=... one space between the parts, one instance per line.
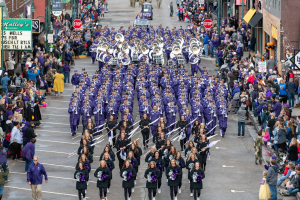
x=131 y=65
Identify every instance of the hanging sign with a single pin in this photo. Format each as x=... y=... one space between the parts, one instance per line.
x=17 y=34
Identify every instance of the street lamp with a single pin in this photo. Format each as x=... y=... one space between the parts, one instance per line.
x=32 y=9
x=219 y=17
x=242 y=3
x=229 y=12
x=2 y=57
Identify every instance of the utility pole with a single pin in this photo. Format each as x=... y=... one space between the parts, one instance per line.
x=32 y=9
x=73 y=2
x=243 y=4
x=220 y=8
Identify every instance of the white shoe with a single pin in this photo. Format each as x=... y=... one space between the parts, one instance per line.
x=153 y=198
x=189 y=181
x=107 y=190
x=134 y=182
x=198 y=198
x=132 y=190
x=179 y=190
x=191 y=194
x=84 y=191
x=167 y=180
x=106 y=198
x=175 y=198
x=87 y=182
x=84 y=199
x=159 y=190
x=129 y=198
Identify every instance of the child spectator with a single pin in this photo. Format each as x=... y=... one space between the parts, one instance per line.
x=258 y=148
x=264 y=191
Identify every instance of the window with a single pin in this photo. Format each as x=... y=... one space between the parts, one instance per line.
x=279 y=5
x=275 y=4
x=12 y=5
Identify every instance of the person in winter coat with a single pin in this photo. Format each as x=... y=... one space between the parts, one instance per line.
x=3 y=160
x=35 y=174
x=196 y=175
x=272 y=177
x=150 y=155
x=181 y=163
x=121 y=144
x=82 y=176
x=3 y=176
x=28 y=153
x=103 y=174
x=152 y=175
x=159 y=163
x=293 y=151
x=277 y=107
x=144 y=125
x=173 y=174
x=128 y=175
x=59 y=83
x=67 y=70
x=29 y=132
x=183 y=131
x=281 y=136
x=110 y=165
x=239 y=50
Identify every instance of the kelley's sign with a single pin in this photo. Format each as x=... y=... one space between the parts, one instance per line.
x=17 y=34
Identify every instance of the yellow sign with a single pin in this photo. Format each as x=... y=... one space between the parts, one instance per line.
x=274 y=32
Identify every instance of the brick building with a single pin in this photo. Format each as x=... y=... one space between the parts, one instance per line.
x=17 y=8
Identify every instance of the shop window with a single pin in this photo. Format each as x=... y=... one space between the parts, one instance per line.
x=267 y=38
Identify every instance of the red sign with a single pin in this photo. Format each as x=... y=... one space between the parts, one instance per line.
x=207 y=23
x=77 y=23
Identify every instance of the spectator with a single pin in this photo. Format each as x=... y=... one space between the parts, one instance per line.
x=3 y=174
x=272 y=179
x=277 y=107
x=29 y=132
x=59 y=83
x=35 y=178
x=3 y=160
x=32 y=75
x=271 y=63
x=28 y=153
x=291 y=88
x=241 y=120
x=16 y=141
x=11 y=65
x=4 y=82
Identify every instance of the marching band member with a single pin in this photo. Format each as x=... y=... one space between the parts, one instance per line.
x=110 y=165
x=196 y=175
x=103 y=175
x=222 y=117
x=128 y=175
x=152 y=175
x=180 y=162
x=173 y=174
x=160 y=164
x=81 y=175
x=144 y=125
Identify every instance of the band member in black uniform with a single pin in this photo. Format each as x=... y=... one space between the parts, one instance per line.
x=152 y=175
x=161 y=139
x=121 y=144
x=196 y=175
x=188 y=149
x=144 y=125
x=182 y=125
x=128 y=175
x=111 y=166
x=195 y=128
x=150 y=155
x=203 y=151
x=160 y=164
x=111 y=126
x=108 y=150
x=82 y=176
x=173 y=174
x=103 y=175
x=165 y=151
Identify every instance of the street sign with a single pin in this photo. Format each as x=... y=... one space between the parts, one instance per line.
x=262 y=67
x=56 y=7
x=296 y=59
x=56 y=13
x=207 y=23
x=50 y=38
x=77 y=24
x=201 y=1
x=35 y=26
x=17 y=34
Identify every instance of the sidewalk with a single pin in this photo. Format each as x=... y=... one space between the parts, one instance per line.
x=268 y=151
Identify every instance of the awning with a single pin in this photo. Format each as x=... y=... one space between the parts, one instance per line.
x=255 y=19
x=249 y=15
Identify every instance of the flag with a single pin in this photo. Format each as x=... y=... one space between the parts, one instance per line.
x=182 y=135
x=110 y=137
x=123 y=154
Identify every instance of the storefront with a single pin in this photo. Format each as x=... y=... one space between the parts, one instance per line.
x=271 y=35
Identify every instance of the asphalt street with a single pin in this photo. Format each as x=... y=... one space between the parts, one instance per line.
x=230 y=174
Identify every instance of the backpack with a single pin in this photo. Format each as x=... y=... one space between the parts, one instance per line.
x=18 y=81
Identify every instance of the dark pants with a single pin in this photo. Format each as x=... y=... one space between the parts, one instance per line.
x=173 y=191
x=102 y=191
x=197 y=193
x=81 y=192
x=16 y=148
x=121 y=161
x=27 y=164
x=4 y=166
x=127 y=190
x=145 y=138
x=241 y=125
x=150 y=191
x=182 y=144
